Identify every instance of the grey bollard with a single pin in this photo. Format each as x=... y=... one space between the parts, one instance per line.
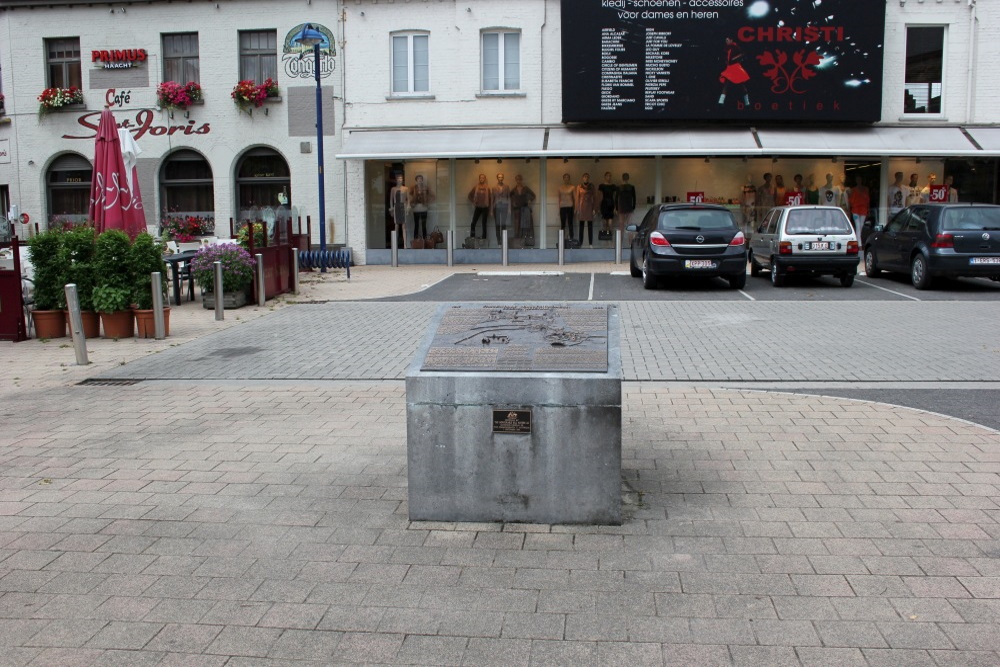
x=76 y=325
x=503 y=240
x=260 y=280
x=451 y=247
x=159 y=326
x=295 y=271
x=395 y=248
x=618 y=246
x=562 y=246
x=220 y=308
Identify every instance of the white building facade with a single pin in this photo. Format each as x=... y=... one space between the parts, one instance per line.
x=448 y=91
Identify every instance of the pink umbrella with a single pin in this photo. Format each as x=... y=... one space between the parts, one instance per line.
x=114 y=204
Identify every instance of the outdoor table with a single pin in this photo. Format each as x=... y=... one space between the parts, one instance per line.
x=177 y=262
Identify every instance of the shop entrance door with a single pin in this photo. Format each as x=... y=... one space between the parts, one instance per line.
x=870 y=173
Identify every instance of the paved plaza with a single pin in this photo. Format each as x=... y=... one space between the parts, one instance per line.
x=236 y=495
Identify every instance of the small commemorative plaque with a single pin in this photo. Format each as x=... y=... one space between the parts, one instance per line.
x=512 y=421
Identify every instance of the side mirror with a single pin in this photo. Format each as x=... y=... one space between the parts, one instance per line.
x=631 y=228
x=879 y=228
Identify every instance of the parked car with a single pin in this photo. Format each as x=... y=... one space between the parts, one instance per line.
x=930 y=240
x=688 y=240
x=805 y=240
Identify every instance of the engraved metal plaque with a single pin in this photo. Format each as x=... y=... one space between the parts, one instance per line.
x=512 y=421
x=521 y=338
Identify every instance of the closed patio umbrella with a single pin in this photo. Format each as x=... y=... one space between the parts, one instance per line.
x=114 y=203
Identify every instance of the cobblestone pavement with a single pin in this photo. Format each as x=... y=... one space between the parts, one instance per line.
x=232 y=517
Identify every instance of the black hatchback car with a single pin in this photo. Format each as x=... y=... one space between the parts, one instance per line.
x=688 y=240
x=931 y=240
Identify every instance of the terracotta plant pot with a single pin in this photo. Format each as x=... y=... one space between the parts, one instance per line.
x=145 y=326
x=91 y=323
x=119 y=324
x=49 y=323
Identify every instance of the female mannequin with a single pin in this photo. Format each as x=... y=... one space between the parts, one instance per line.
x=609 y=193
x=521 y=199
x=567 y=200
x=779 y=190
x=399 y=198
x=586 y=207
x=626 y=202
x=420 y=198
x=501 y=206
x=482 y=199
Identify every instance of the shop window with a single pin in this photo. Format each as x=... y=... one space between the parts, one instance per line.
x=63 y=61
x=924 y=69
x=180 y=57
x=68 y=190
x=410 y=63
x=501 y=61
x=258 y=55
x=187 y=187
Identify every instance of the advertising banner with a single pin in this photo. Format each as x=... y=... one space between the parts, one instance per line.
x=748 y=60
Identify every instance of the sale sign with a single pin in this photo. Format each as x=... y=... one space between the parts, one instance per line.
x=696 y=197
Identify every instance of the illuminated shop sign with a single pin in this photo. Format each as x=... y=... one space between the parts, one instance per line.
x=747 y=60
x=117 y=58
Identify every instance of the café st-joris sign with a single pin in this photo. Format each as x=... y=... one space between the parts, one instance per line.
x=140 y=123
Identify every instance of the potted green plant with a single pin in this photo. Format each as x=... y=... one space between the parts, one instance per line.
x=113 y=291
x=49 y=275
x=243 y=236
x=237 y=273
x=146 y=258
x=77 y=258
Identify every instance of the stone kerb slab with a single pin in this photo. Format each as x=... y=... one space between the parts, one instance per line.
x=510 y=430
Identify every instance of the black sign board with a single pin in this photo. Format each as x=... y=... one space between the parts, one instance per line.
x=750 y=60
x=512 y=421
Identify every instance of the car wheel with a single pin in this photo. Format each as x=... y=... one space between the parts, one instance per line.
x=919 y=274
x=871 y=264
x=755 y=268
x=777 y=279
x=739 y=281
x=632 y=268
x=648 y=279
x=846 y=280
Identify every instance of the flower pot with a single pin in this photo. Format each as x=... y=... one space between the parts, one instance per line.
x=119 y=324
x=229 y=299
x=91 y=323
x=49 y=323
x=145 y=326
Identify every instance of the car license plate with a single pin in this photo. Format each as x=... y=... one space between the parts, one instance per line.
x=699 y=264
x=984 y=260
x=818 y=245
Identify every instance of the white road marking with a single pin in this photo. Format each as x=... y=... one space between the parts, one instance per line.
x=884 y=289
x=590 y=295
x=747 y=295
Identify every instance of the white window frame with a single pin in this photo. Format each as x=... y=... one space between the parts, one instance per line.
x=500 y=74
x=412 y=80
x=910 y=115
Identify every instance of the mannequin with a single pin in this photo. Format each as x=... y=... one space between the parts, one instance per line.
x=913 y=191
x=482 y=199
x=609 y=193
x=765 y=197
x=952 y=192
x=501 y=206
x=779 y=190
x=829 y=194
x=567 y=200
x=521 y=199
x=586 y=207
x=399 y=198
x=420 y=198
x=925 y=192
x=626 y=202
x=897 y=195
x=812 y=192
x=860 y=201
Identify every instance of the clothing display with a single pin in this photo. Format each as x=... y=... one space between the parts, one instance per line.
x=609 y=191
x=626 y=198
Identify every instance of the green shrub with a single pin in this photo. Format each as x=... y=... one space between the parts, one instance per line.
x=77 y=258
x=49 y=271
x=145 y=258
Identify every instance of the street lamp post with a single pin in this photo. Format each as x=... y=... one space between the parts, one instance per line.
x=309 y=36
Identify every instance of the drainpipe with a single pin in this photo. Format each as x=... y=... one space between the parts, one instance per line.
x=969 y=94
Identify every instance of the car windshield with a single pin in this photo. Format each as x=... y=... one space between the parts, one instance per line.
x=696 y=219
x=971 y=218
x=817 y=221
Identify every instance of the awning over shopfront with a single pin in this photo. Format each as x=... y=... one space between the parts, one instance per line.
x=987 y=137
x=868 y=142
x=566 y=142
x=472 y=143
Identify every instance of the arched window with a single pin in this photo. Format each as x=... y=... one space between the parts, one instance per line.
x=187 y=189
x=68 y=189
x=262 y=179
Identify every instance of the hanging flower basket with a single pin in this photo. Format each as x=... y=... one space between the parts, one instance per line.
x=248 y=95
x=173 y=95
x=52 y=99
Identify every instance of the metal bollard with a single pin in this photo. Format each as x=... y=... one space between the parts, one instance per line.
x=451 y=247
x=295 y=272
x=395 y=248
x=260 y=280
x=159 y=326
x=618 y=246
x=220 y=308
x=562 y=246
x=503 y=240
x=76 y=325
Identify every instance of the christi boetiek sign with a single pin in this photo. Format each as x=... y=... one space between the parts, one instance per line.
x=722 y=60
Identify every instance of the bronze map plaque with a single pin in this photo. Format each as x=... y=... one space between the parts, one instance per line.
x=521 y=338
x=517 y=422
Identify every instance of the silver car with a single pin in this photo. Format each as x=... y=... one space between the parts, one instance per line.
x=805 y=240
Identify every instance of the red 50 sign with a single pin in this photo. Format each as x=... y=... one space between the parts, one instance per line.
x=939 y=193
x=696 y=197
